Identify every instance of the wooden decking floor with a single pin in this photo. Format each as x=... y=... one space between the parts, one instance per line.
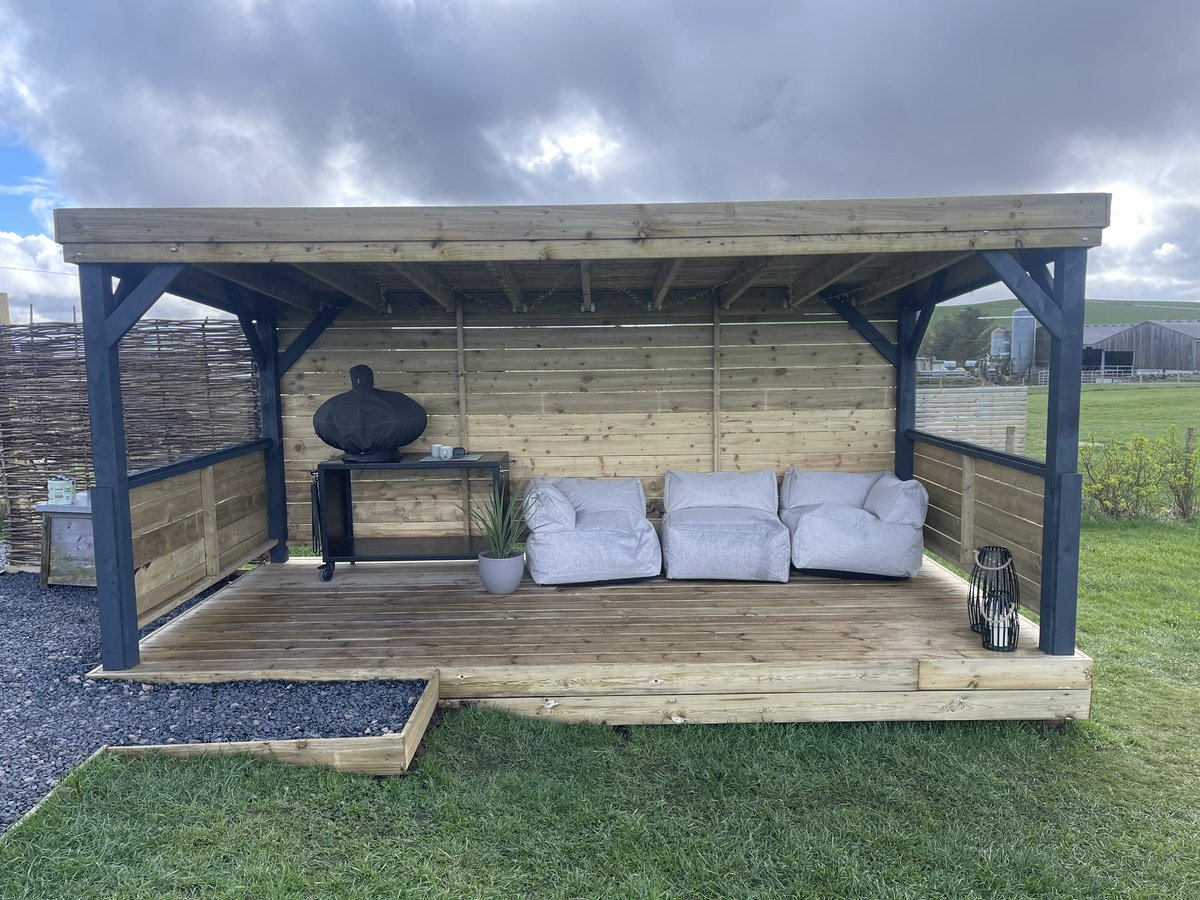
x=653 y=651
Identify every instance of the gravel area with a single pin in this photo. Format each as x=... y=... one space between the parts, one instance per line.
x=52 y=717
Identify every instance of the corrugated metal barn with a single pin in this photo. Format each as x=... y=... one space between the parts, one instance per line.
x=1167 y=345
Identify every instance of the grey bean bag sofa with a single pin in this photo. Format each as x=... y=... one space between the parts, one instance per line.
x=589 y=529
x=724 y=525
x=868 y=524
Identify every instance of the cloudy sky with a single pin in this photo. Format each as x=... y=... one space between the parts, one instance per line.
x=365 y=102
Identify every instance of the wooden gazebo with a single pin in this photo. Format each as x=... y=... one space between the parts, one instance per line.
x=594 y=340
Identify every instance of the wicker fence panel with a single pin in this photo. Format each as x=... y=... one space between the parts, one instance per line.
x=189 y=387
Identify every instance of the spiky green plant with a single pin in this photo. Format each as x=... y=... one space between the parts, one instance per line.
x=500 y=521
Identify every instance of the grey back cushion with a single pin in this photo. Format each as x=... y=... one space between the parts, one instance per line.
x=589 y=495
x=897 y=502
x=747 y=490
x=804 y=487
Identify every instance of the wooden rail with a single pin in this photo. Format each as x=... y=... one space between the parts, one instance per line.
x=197 y=525
x=974 y=502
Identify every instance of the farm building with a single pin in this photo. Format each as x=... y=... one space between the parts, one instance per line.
x=594 y=341
x=1161 y=345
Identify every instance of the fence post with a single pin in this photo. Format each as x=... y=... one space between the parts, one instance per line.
x=966 y=520
x=1010 y=439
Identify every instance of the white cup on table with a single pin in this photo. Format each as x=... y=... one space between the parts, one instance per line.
x=444 y=451
x=436 y=451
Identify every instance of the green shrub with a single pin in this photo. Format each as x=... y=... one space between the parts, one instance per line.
x=1178 y=466
x=1122 y=480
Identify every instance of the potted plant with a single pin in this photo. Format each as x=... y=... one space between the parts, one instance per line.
x=500 y=521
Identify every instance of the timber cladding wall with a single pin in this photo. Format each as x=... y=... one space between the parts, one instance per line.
x=193 y=529
x=973 y=503
x=618 y=392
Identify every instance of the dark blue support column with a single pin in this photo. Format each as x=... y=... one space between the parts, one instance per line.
x=914 y=312
x=1064 y=485
x=272 y=429
x=111 y=527
x=906 y=387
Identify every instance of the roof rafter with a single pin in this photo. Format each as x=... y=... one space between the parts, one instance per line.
x=503 y=273
x=827 y=272
x=585 y=285
x=743 y=279
x=663 y=280
x=270 y=284
x=425 y=277
x=909 y=270
x=348 y=281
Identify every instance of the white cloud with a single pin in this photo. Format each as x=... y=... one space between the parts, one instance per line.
x=583 y=144
x=1168 y=250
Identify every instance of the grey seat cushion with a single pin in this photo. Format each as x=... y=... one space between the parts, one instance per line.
x=727 y=543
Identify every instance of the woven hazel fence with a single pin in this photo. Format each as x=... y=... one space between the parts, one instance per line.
x=189 y=387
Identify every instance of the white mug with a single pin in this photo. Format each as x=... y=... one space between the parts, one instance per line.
x=436 y=451
x=444 y=452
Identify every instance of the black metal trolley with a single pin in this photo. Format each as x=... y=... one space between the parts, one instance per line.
x=333 y=512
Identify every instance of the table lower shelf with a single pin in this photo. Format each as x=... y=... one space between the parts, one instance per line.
x=403 y=549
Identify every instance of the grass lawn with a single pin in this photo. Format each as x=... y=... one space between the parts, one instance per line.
x=500 y=807
x=1119 y=411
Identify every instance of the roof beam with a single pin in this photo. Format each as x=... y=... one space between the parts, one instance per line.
x=742 y=279
x=348 y=281
x=425 y=277
x=585 y=285
x=503 y=273
x=908 y=270
x=829 y=271
x=663 y=281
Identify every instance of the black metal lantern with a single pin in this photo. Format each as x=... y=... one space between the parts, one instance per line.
x=994 y=598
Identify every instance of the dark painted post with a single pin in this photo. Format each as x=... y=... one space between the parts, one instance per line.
x=272 y=430
x=906 y=387
x=1064 y=485
x=111 y=526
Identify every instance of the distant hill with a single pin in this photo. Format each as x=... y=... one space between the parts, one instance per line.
x=1096 y=312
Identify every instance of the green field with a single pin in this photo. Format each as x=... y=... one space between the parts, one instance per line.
x=1095 y=312
x=1119 y=411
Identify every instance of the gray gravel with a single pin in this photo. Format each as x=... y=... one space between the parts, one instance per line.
x=52 y=717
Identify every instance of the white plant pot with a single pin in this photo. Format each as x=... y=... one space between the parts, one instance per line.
x=501 y=576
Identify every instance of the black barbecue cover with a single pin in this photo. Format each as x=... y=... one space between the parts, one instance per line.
x=367 y=424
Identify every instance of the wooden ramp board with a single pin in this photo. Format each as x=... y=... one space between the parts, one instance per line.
x=815 y=649
x=388 y=754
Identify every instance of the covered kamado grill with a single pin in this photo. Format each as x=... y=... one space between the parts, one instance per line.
x=590 y=341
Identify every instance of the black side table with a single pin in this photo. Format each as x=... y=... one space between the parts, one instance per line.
x=335 y=505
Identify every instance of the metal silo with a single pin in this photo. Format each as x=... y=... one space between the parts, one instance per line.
x=1024 y=326
x=1001 y=342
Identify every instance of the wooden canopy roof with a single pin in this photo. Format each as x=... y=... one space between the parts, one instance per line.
x=862 y=251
